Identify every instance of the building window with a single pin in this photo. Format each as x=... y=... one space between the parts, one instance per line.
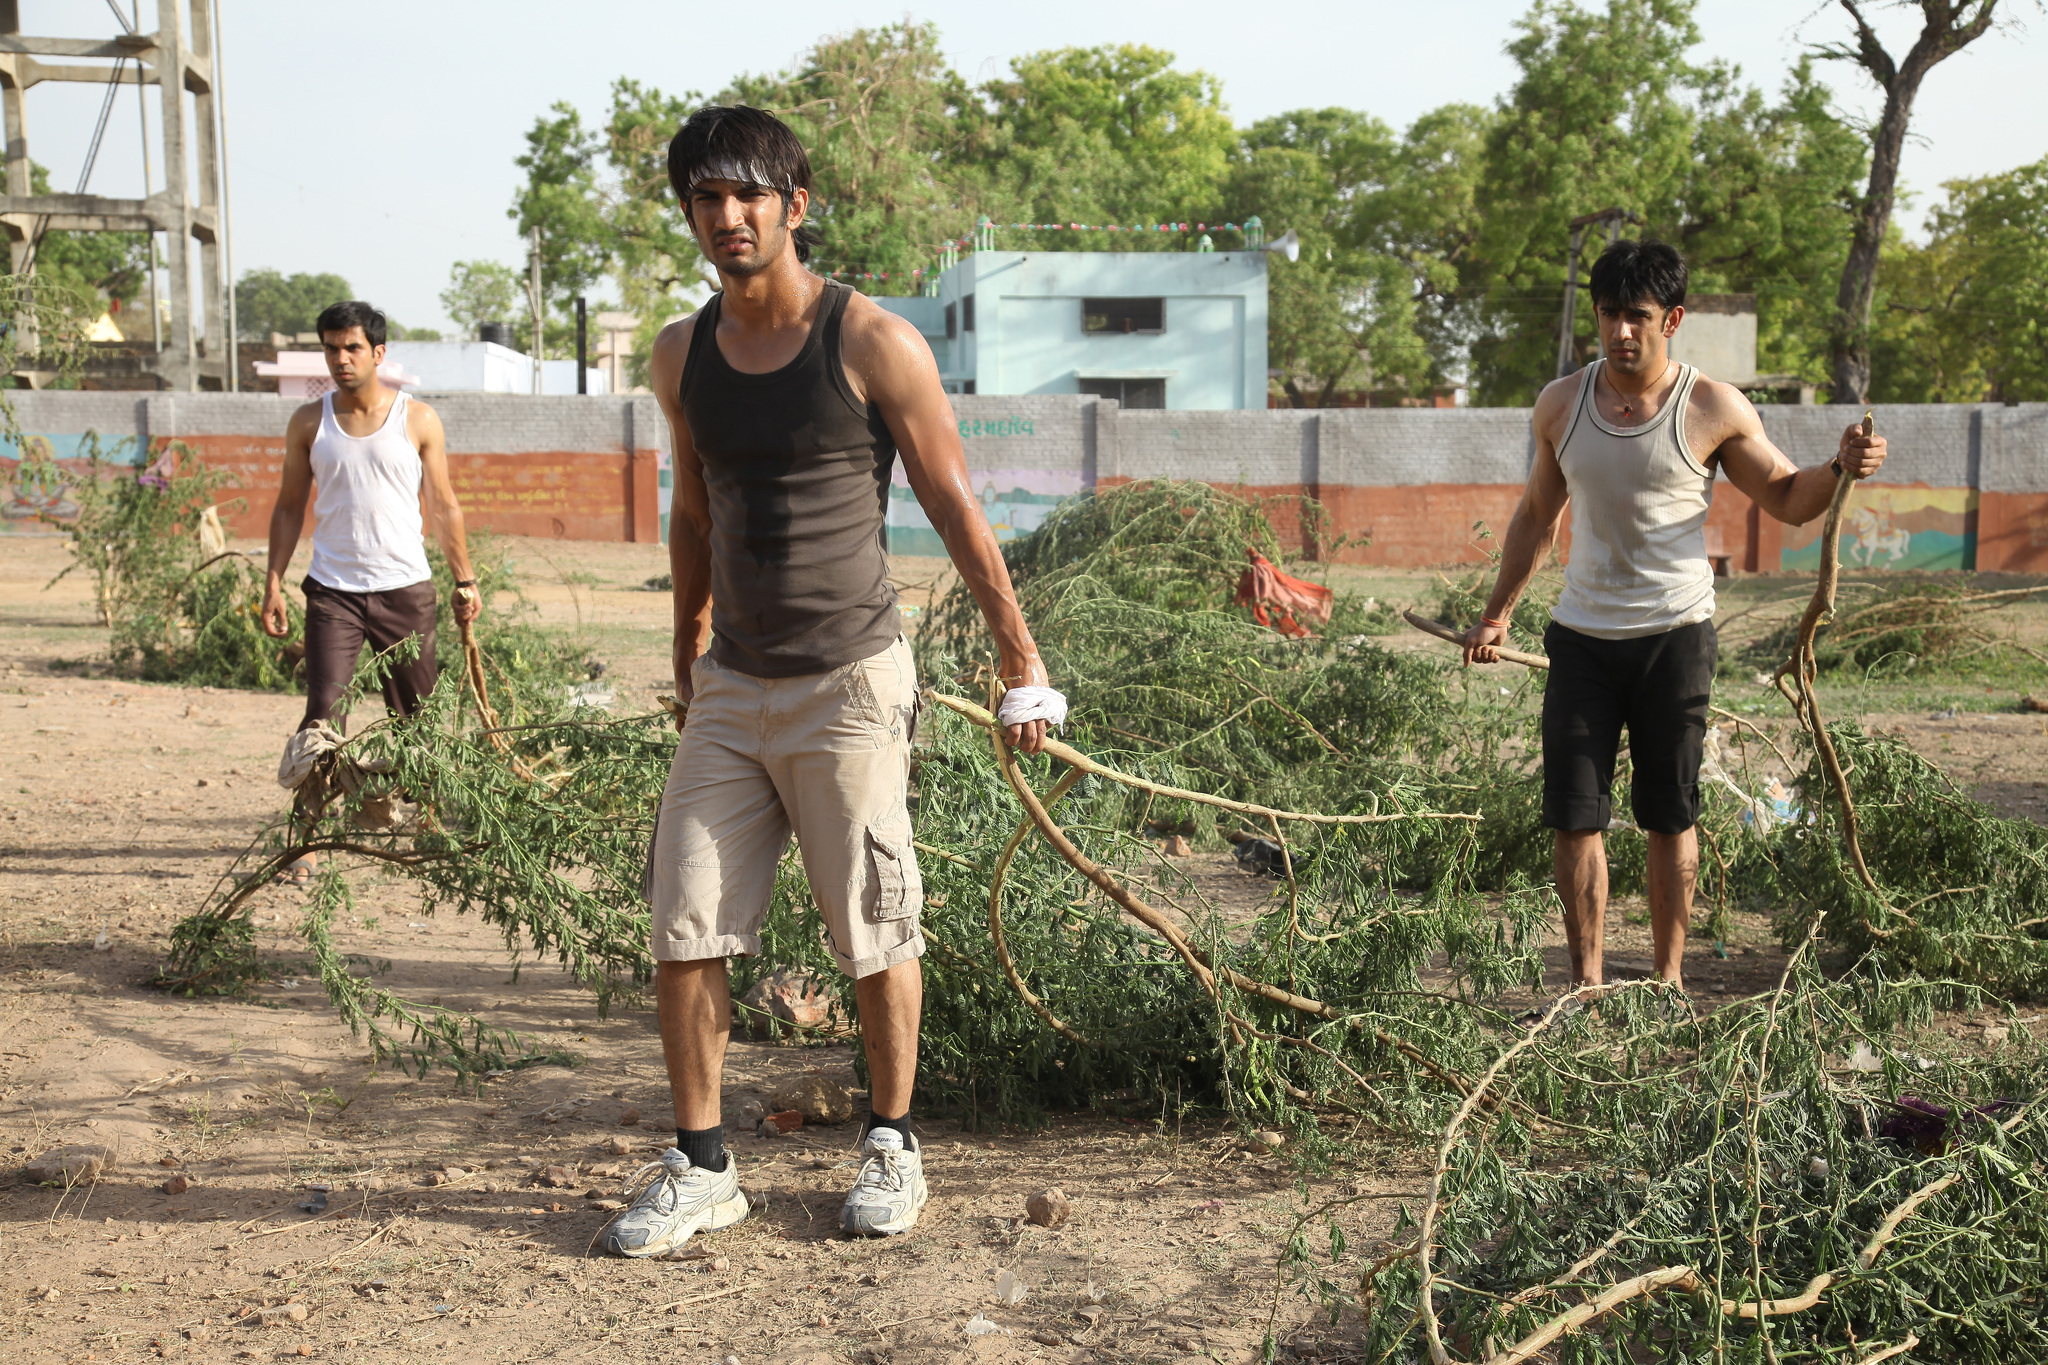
x=1132 y=393
x=1103 y=316
x=967 y=386
x=967 y=313
x=952 y=321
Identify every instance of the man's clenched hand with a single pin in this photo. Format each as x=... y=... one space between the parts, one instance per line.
x=1860 y=455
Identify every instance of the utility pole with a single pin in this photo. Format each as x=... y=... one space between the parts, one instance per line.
x=227 y=213
x=156 y=322
x=533 y=301
x=1567 y=349
x=582 y=352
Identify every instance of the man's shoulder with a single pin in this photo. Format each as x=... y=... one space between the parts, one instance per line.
x=870 y=321
x=306 y=415
x=677 y=333
x=1720 y=410
x=884 y=347
x=1713 y=397
x=1555 y=401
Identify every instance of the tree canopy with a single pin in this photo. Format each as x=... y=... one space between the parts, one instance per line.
x=269 y=301
x=1432 y=255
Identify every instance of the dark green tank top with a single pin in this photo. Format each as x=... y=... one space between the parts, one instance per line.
x=798 y=475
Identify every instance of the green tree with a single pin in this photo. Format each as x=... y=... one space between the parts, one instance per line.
x=112 y=265
x=269 y=301
x=1597 y=118
x=565 y=198
x=1964 y=317
x=655 y=260
x=1609 y=112
x=1344 y=314
x=1102 y=135
x=1766 y=210
x=881 y=116
x=482 y=291
x=1948 y=26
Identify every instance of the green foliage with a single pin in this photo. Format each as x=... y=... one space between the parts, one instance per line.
x=107 y=268
x=655 y=260
x=877 y=110
x=1411 y=276
x=1101 y=135
x=269 y=301
x=1964 y=889
x=1960 y=317
x=1609 y=112
x=602 y=203
x=562 y=197
x=1742 y=1144
x=178 y=613
x=1897 y=622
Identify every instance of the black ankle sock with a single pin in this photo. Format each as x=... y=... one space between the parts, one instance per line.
x=901 y=1125
x=704 y=1146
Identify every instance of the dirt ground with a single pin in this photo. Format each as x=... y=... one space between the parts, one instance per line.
x=120 y=804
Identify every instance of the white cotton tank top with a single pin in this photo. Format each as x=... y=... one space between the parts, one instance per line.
x=1638 y=561
x=368 y=535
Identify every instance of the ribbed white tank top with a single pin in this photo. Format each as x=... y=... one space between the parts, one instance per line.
x=1639 y=520
x=368 y=535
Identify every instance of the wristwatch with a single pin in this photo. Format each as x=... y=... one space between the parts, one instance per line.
x=465 y=582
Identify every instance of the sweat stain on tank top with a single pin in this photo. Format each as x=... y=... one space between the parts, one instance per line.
x=1639 y=505
x=797 y=473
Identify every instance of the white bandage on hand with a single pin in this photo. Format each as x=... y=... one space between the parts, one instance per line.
x=1022 y=705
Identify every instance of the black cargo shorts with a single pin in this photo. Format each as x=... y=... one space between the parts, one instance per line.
x=1655 y=685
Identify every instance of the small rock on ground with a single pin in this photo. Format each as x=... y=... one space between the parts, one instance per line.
x=1047 y=1208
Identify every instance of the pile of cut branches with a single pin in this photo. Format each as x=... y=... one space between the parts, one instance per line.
x=1907 y=622
x=1792 y=1177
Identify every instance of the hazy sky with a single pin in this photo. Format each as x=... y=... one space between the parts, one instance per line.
x=376 y=139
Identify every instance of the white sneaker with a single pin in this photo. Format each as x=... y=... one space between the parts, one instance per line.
x=889 y=1192
x=678 y=1202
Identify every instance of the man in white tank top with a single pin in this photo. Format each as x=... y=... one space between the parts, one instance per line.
x=1630 y=444
x=374 y=454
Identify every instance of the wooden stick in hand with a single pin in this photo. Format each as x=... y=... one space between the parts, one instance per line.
x=1457 y=637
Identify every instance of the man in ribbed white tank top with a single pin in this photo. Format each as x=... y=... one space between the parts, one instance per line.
x=1631 y=444
x=374 y=455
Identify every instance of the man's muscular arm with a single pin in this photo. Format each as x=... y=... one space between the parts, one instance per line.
x=288 y=517
x=689 y=521
x=1756 y=466
x=1534 y=528
x=892 y=364
x=423 y=424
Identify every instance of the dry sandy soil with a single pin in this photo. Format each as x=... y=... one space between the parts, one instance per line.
x=121 y=803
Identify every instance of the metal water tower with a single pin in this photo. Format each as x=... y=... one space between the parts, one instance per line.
x=181 y=57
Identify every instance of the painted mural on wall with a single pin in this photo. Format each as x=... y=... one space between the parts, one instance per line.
x=40 y=476
x=1896 y=527
x=1015 y=501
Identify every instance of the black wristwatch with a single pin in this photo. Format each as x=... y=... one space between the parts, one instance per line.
x=465 y=582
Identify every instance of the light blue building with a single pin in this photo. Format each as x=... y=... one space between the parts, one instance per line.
x=1181 y=329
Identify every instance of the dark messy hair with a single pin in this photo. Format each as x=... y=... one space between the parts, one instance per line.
x=751 y=138
x=1631 y=270
x=339 y=317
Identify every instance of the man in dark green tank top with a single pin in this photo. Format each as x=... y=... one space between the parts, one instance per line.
x=789 y=399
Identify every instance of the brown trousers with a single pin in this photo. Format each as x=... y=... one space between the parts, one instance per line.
x=337 y=626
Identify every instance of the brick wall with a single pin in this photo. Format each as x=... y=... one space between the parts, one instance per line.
x=1966 y=485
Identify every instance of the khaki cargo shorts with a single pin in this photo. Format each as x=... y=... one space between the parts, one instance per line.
x=826 y=757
